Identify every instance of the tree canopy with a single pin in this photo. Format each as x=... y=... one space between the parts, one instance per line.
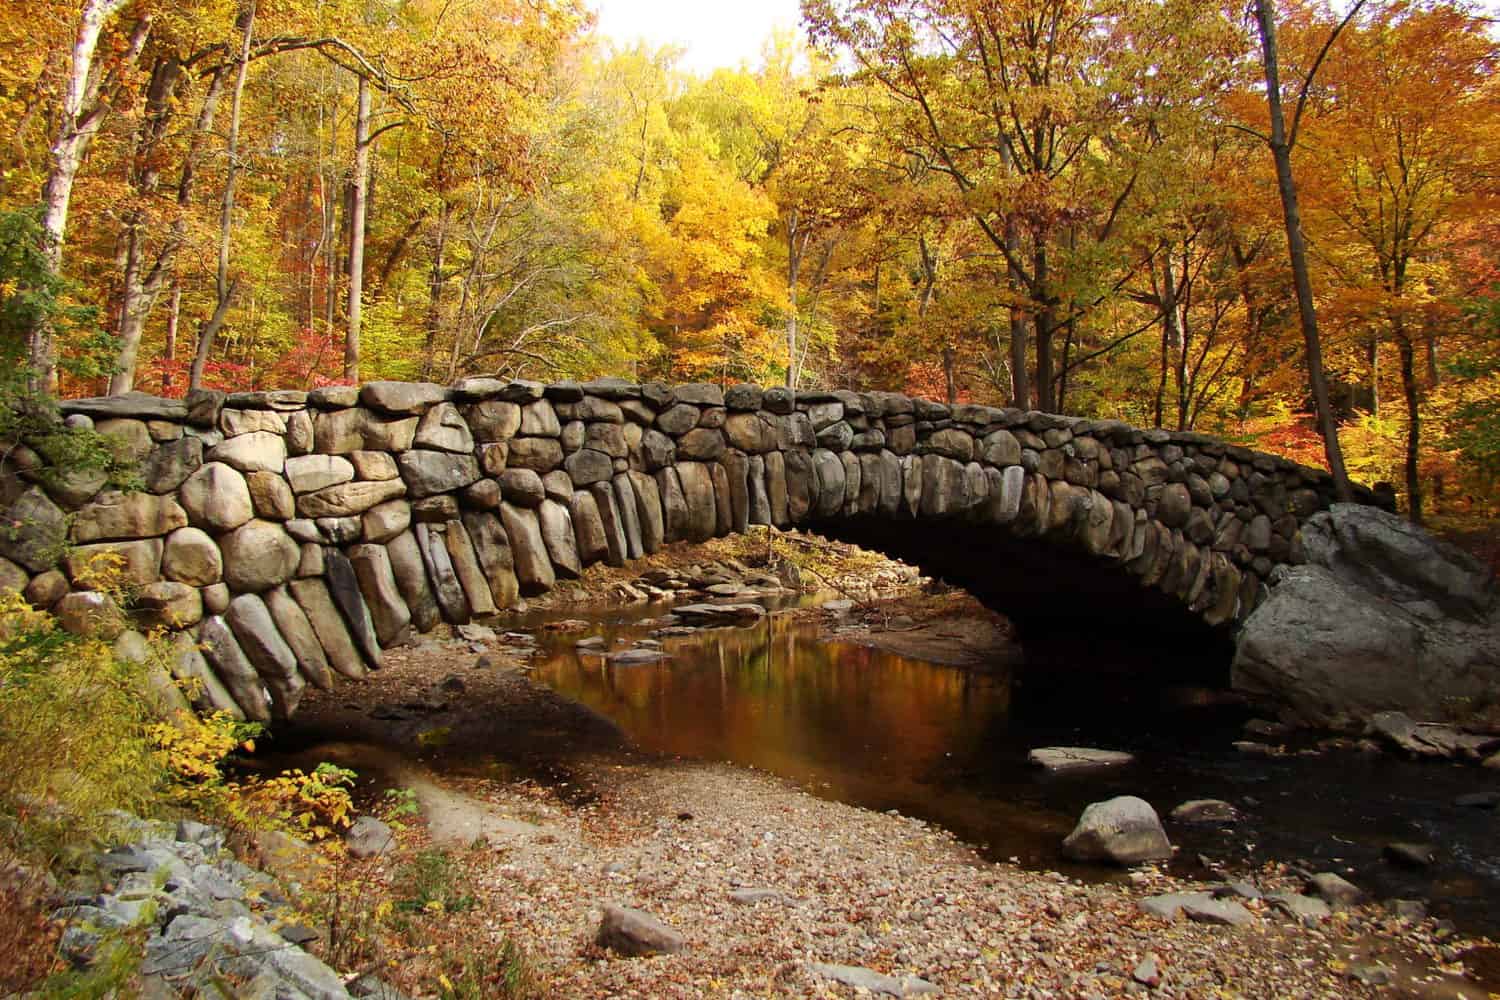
x=1059 y=204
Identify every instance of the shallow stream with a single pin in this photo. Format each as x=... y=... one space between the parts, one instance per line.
x=949 y=745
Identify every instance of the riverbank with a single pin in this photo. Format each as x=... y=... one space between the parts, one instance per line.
x=766 y=881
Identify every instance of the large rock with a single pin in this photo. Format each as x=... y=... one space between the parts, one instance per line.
x=262 y=644
x=115 y=515
x=1124 y=830
x=494 y=420
x=428 y=473
x=1391 y=557
x=468 y=570
x=385 y=521
x=648 y=510
x=616 y=545
x=13 y=577
x=258 y=451
x=870 y=981
x=188 y=666
x=411 y=580
x=307 y=473
x=125 y=563
x=216 y=497
x=1381 y=618
x=168 y=604
x=630 y=518
x=270 y=495
x=588 y=528
x=313 y=597
x=1057 y=759
x=587 y=467
x=492 y=548
x=343 y=588
x=234 y=670
x=234 y=422
x=258 y=555
x=339 y=432
x=130 y=439
x=301 y=638
x=448 y=591
x=633 y=932
x=350 y=499
x=139 y=405
x=32 y=531
x=170 y=463
x=378 y=585
x=444 y=429
x=89 y=613
x=401 y=398
x=698 y=493
x=557 y=536
x=533 y=566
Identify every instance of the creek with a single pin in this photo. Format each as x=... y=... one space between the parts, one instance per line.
x=948 y=745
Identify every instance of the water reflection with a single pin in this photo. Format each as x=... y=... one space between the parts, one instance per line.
x=847 y=719
x=886 y=732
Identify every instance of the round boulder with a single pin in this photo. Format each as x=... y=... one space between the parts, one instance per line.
x=1124 y=831
x=216 y=497
x=258 y=556
x=191 y=557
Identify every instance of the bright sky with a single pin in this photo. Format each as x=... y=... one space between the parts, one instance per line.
x=715 y=33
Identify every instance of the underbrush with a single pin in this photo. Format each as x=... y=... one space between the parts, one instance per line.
x=87 y=750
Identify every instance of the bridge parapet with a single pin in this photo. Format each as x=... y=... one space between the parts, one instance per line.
x=293 y=536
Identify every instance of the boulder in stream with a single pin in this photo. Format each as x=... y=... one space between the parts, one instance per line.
x=1124 y=830
x=1381 y=617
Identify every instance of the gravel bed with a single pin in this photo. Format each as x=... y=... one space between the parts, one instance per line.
x=846 y=886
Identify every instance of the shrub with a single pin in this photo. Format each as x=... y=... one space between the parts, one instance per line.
x=75 y=731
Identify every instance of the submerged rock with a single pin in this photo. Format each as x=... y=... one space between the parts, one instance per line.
x=719 y=614
x=1077 y=758
x=1206 y=811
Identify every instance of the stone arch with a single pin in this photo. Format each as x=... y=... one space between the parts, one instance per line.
x=294 y=536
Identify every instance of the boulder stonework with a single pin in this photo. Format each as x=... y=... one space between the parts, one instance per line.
x=292 y=536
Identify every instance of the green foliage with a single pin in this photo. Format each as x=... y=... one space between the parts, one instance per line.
x=32 y=295
x=75 y=733
x=501 y=972
x=425 y=884
x=400 y=805
x=1474 y=424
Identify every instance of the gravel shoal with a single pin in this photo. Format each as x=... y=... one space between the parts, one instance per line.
x=848 y=886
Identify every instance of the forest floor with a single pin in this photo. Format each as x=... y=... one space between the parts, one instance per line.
x=538 y=812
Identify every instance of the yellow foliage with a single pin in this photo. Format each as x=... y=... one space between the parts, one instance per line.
x=74 y=728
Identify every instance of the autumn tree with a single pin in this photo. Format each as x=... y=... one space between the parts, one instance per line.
x=1401 y=159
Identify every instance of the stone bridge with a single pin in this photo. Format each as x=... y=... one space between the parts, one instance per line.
x=292 y=536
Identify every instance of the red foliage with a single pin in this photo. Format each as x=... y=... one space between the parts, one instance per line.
x=316 y=360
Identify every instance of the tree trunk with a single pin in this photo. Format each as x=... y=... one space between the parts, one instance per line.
x=1281 y=152
x=1413 y=424
x=1020 y=390
x=81 y=115
x=435 y=282
x=223 y=286
x=360 y=192
x=793 y=273
x=1046 y=322
x=169 y=349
